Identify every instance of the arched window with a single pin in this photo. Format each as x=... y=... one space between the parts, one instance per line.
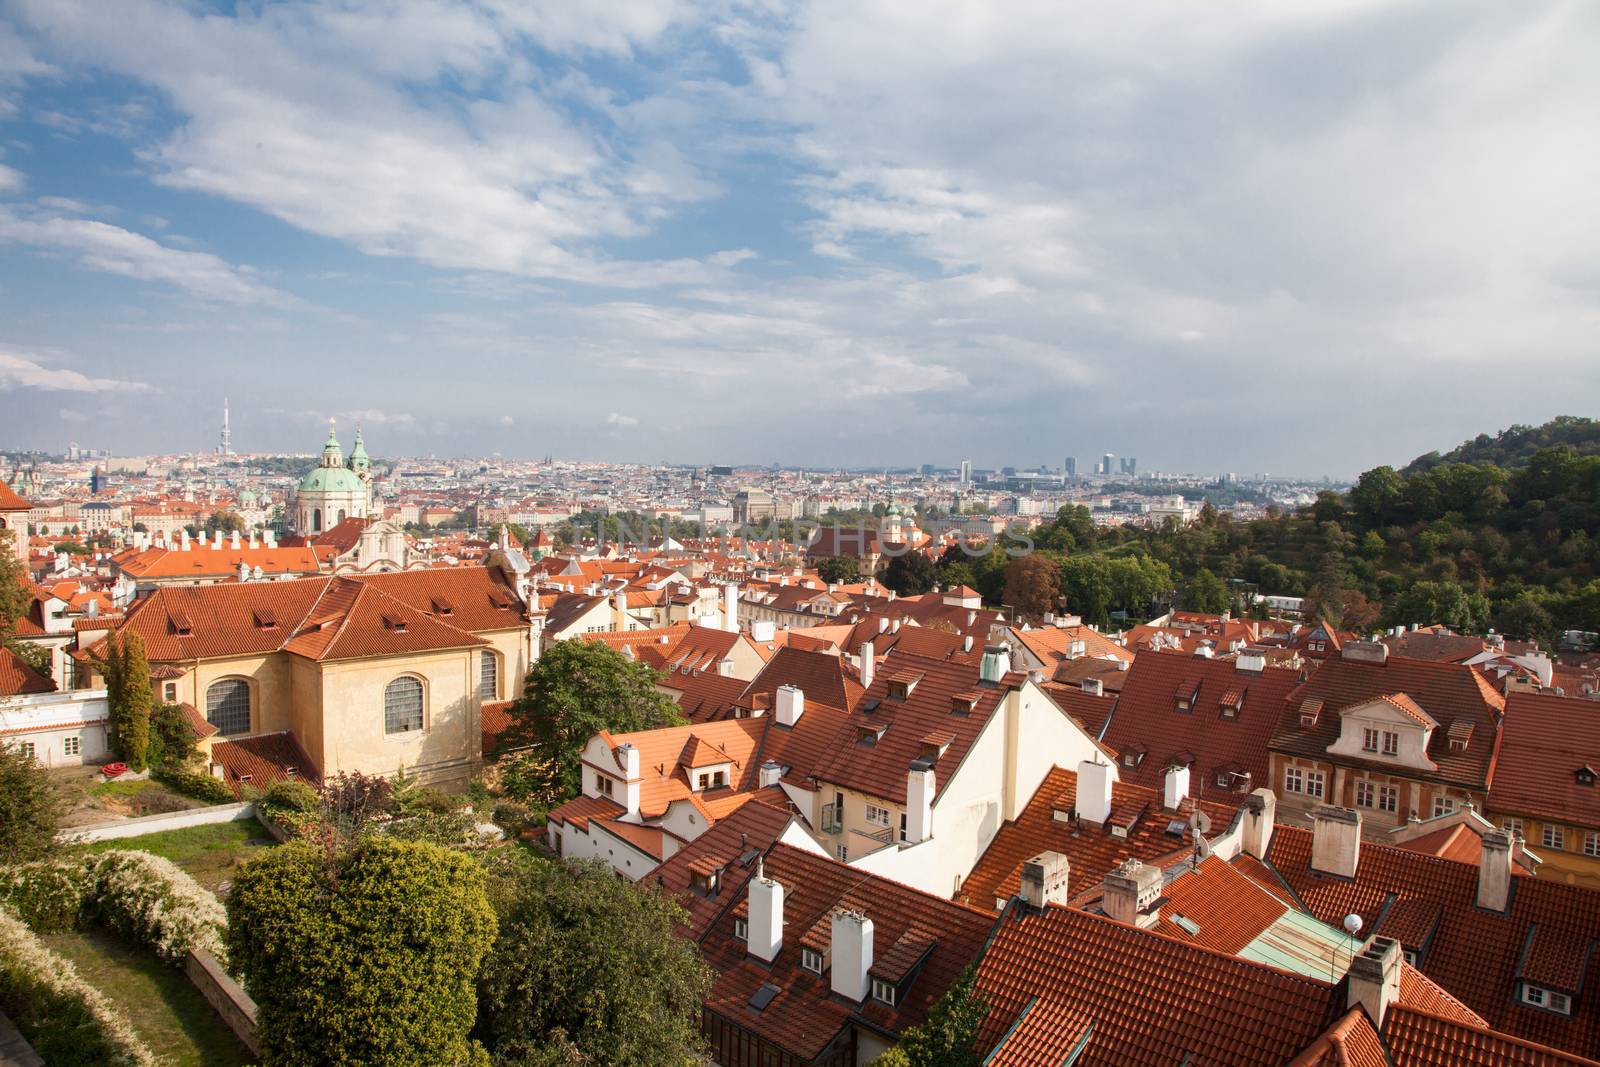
x=402 y=706
x=488 y=676
x=228 y=706
x=316 y=519
x=341 y=514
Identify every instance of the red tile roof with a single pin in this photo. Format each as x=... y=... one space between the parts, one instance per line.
x=10 y=501
x=19 y=679
x=1147 y=717
x=745 y=834
x=1546 y=740
x=1350 y=1042
x=261 y=760
x=1446 y=692
x=1420 y=1039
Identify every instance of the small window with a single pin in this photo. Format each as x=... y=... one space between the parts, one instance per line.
x=811 y=960
x=1591 y=843
x=1443 y=805
x=1388 y=798
x=1366 y=794
x=1369 y=739
x=169 y=692
x=1554 y=837
x=741 y=929
x=883 y=991
x=488 y=676
x=1391 y=743
x=1314 y=781
x=70 y=746
x=602 y=785
x=402 y=706
x=704 y=782
x=1294 y=780
x=28 y=749
x=877 y=816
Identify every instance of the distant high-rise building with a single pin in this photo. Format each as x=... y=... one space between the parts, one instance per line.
x=927 y=470
x=1072 y=467
x=225 y=445
x=1108 y=464
x=966 y=471
x=1130 y=465
x=72 y=452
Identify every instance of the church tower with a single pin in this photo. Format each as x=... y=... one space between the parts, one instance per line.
x=332 y=492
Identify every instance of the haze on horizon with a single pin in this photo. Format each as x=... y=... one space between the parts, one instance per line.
x=1303 y=238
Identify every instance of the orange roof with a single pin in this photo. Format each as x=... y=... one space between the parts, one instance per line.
x=17 y=678
x=664 y=780
x=10 y=501
x=203 y=561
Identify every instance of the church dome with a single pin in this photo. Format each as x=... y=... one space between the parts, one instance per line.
x=332 y=480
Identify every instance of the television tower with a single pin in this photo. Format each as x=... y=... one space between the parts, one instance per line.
x=225 y=448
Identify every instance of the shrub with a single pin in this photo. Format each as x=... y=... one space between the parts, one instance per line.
x=68 y=1022
x=362 y=956
x=147 y=899
x=350 y=800
x=429 y=798
x=290 y=796
x=28 y=807
x=514 y=817
x=195 y=784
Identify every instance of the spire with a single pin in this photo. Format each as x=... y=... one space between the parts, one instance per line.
x=225 y=445
x=332 y=454
x=359 y=462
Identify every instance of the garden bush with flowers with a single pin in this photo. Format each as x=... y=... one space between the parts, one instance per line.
x=148 y=900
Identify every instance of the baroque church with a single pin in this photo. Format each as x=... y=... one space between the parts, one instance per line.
x=334 y=491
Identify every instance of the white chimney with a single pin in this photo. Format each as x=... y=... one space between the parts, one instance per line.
x=1044 y=879
x=771 y=773
x=1494 y=871
x=1336 y=841
x=183 y=539
x=883 y=624
x=730 y=608
x=1174 y=786
x=1093 y=801
x=1374 y=979
x=791 y=705
x=271 y=537
x=850 y=946
x=764 y=923
x=996 y=660
x=763 y=632
x=1094 y=687
x=620 y=601
x=919 y=802
x=1260 y=814
x=1133 y=893
x=966 y=643
x=867 y=665
x=244 y=571
x=233 y=542
x=628 y=760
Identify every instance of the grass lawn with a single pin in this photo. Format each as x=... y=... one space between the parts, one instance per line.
x=211 y=854
x=163 y=1005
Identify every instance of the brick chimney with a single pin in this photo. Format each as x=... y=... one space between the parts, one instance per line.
x=1494 y=871
x=764 y=923
x=919 y=802
x=1044 y=879
x=1336 y=841
x=1093 y=801
x=1373 y=982
x=850 y=946
x=791 y=705
x=1133 y=893
x=1260 y=815
x=1174 y=786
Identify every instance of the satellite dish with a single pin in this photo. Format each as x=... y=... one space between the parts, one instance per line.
x=1352 y=924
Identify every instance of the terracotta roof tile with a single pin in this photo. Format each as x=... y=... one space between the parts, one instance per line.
x=261 y=760
x=1546 y=740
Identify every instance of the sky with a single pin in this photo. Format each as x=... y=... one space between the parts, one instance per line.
x=1296 y=237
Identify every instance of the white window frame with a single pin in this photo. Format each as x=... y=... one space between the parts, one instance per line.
x=390 y=729
x=71 y=746
x=488 y=675
x=1369 y=739
x=1366 y=794
x=811 y=960
x=1316 y=784
x=1389 y=798
x=1293 y=780
x=1391 y=743
x=1591 y=843
x=741 y=929
x=29 y=749
x=876 y=815
x=1554 y=837
x=1443 y=805
x=883 y=992
x=1514 y=828
x=603 y=785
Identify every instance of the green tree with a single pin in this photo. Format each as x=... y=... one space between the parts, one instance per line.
x=29 y=807
x=226 y=521
x=137 y=698
x=16 y=591
x=362 y=956
x=1032 y=584
x=1446 y=603
x=1205 y=592
x=946 y=1038
x=1377 y=495
x=910 y=574
x=596 y=959
x=835 y=569
x=955 y=574
x=1526 y=619
x=575 y=690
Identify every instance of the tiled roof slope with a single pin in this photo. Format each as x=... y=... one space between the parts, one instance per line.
x=1421 y=1039
x=1146 y=717
x=1153 y=999
x=1429 y=904
x=1546 y=739
x=1092 y=852
x=804 y=1016
x=879 y=768
x=703 y=696
x=1448 y=692
x=10 y=501
x=19 y=679
x=468 y=598
x=1350 y=1042
x=824 y=678
x=730 y=848
x=261 y=760
x=664 y=753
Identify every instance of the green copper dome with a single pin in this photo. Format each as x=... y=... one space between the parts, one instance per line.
x=358 y=455
x=332 y=480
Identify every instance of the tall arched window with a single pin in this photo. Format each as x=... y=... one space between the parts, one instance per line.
x=488 y=676
x=228 y=706
x=341 y=514
x=316 y=519
x=402 y=706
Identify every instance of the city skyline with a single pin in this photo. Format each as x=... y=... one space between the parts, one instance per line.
x=661 y=233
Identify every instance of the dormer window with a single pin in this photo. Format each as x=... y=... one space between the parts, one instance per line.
x=441 y=606
x=1132 y=757
x=812 y=960
x=1548 y=999
x=867 y=736
x=1232 y=703
x=1309 y=710
x=901 y=685
x=1460 y=735
x=1186 y=695
x=181 y=624
x=603 y=785
x=1584 y=775
x=883 y=992
x=265 y=618
x=963 y=703
x=706 y=882
x=741 y=929
x=394 y=622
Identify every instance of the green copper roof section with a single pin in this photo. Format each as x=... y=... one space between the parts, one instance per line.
x=358 y=454
x=331 y=450
x=332 y=480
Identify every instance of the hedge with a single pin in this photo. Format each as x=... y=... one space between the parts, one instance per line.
x=195 y=784
x=146 y=899
x=66 y=1020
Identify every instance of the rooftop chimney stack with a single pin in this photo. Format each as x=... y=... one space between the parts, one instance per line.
x=1336 y=840
x=730 y=608
x=867 y=665
x=1174 y=786
x=1365 y=651
x=1494 y=871
x=1044 y=880
x=1260 y=813
x=1093 y=686
x=764 y=923
x=851 y=948
x=771 y=773
x=919 y=802
x=1374 y=979
x=996 y=660
x=1093 y=800
x=1133 y=894
x=791 y=705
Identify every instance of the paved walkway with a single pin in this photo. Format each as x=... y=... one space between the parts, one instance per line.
x=14 y=1051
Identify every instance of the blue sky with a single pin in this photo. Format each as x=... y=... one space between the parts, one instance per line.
x=1302 y=237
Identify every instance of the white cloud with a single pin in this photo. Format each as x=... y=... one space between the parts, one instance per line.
x=507 y=420
x=100 y=246
x=24 y=370
x=621 y=421
x=11 y=180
